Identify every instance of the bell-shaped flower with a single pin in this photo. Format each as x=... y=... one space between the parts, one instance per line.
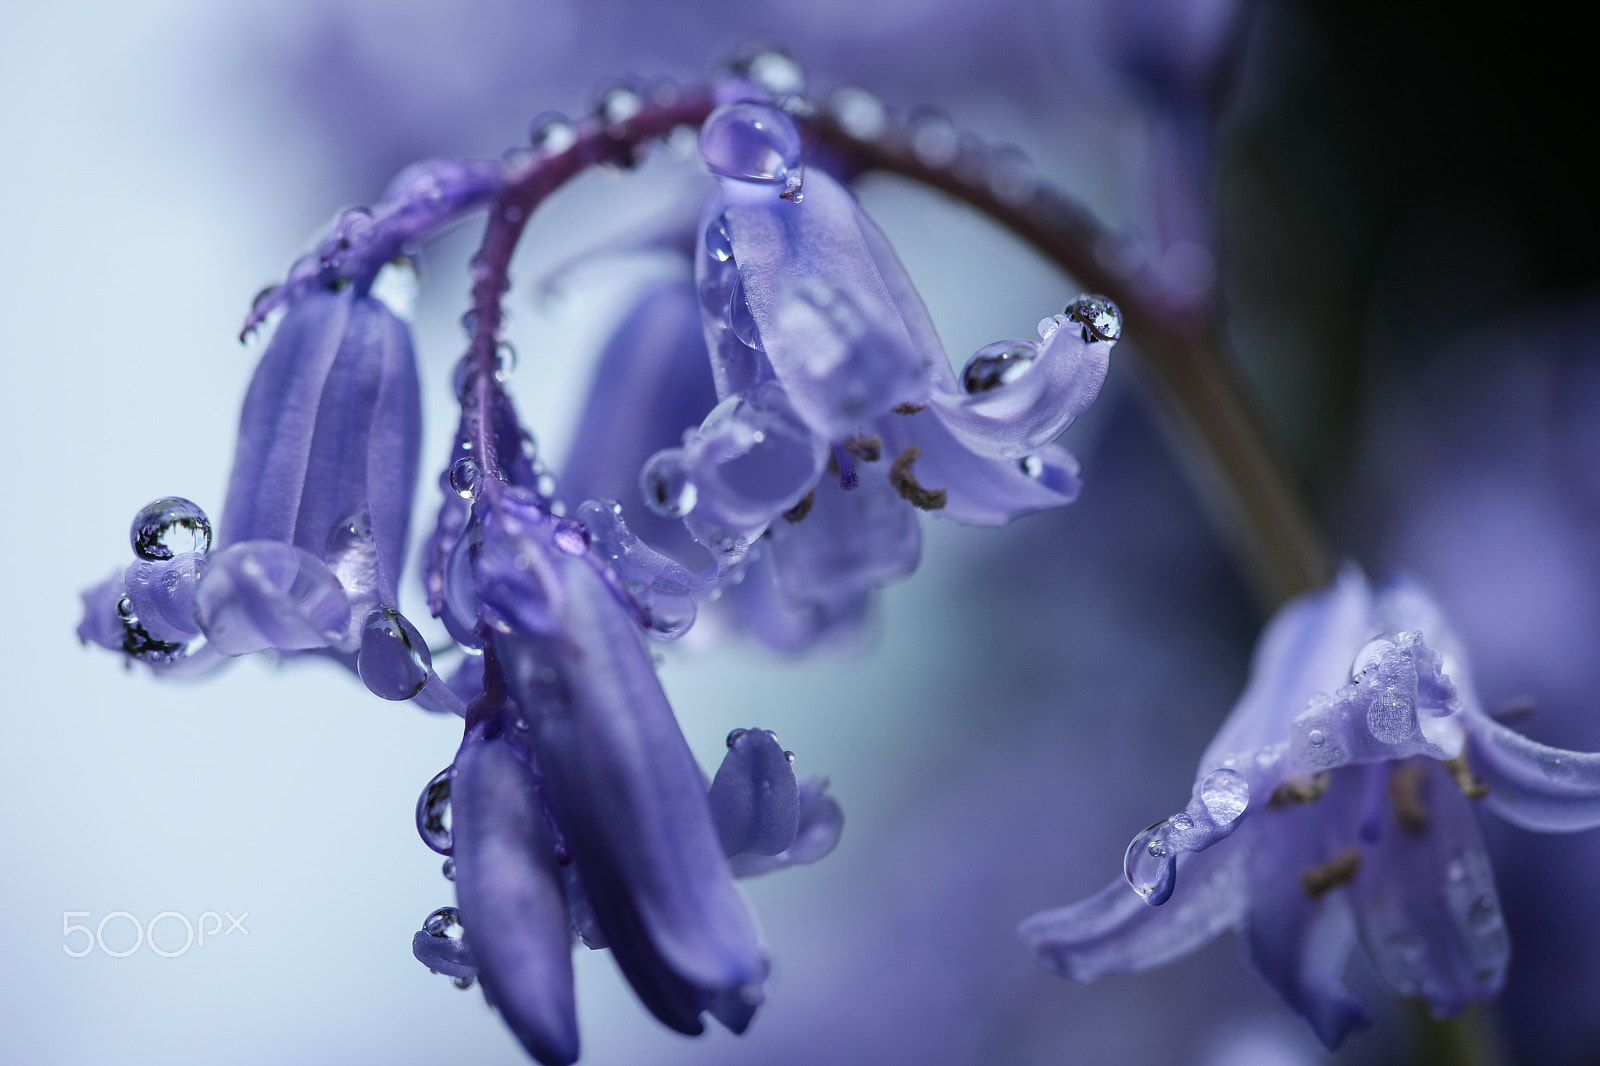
x=577 y=805
x=1335 y=807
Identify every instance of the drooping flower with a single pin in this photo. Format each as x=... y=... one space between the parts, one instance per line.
x=1335 y=807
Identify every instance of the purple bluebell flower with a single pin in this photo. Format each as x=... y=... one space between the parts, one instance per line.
x=1335 y=804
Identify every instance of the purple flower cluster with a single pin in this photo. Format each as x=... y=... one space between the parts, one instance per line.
x=793 y=461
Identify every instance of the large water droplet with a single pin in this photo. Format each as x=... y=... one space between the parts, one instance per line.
x=998 y=364
x=719 y=245
x=446 y=921
x=1369 y=657
x=752 y=142
x=433 y=813
x=394 y=660
x=740 y=320
x=466 y=474
x=666 y=485
x=170 y=526
x=1100 y=318
x=1150 y=866
x=1225 y=794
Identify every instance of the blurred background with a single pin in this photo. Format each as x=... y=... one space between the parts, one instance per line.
x=1391 y=202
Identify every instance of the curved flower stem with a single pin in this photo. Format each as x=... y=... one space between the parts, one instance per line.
x=1276 y=533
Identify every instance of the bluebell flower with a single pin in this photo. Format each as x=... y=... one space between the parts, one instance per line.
x=577 y=805
x=1335 y=806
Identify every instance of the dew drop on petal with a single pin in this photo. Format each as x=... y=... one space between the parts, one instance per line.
x=552 y=134
x=466 y=474
x=505 y=361
x=734 y=735
x=433 y=813
x=1225 y=794
x=998 y=364
x=1100 y=318
x=1149 y=865
x=740 y=320
x=394 y=660
x=464 y=983
x=1315 y=738
x=718 y=244
x=618 y=105
x=666 y=486
x=170 y=526
x=448 y=869
x=446 y=921
x=752 y=142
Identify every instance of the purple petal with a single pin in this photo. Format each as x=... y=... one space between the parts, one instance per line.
x=509 y=889
x=816 y=835
x=1114 y=931
x=101 y=624
x=444 y=954
x=754 y=799
x=267 y=594
x=627 y=794
x=162 y=595
x=1531 y=784
x=759 y=608
x=847 y=543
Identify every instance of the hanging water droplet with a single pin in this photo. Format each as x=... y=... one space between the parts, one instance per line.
x=448 y=869
x=446 y=921
x=505 y=361
x=858 y=112
x=998 y=364
x=751 y=142
x=1100 y=318
x=466 y=474
x=464 y=983
x=1149 y=865
x=433 y=813
x=666 y=485
x=740 y=320
x=170 y=526
x=719 y=245
x=1225 y=794
x=137 y=642
x=777 y=72
x=394 y=660
x=552 y=134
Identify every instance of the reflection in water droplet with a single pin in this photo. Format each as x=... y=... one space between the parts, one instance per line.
x=719 y=245
x=666 y=485
x=466 y=473
x=394 y=660
x=1149 y=865
x=998 y=364
x=433 y=813
x=1100 y=318
x=446 y=921
x=1225 y=794
x=752 y=142
x=137 y=643
x=170 y=526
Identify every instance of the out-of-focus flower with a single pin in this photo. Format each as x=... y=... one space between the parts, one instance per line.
x=1340 y=791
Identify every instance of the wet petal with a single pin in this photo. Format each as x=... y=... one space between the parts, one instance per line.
x=981 y=491
x=848 y=543
x=512 y=902
x=162 y=595
x=755 y=801
x=1531 y=784
x=817 y=833
x=267 y=594
x=100 y=623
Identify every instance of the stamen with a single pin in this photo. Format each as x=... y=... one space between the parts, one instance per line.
x=1405 y=792
x=1316 y=880
x=1301 y=789
x=801 y=509
x=906 y=484
x=867 y=449
x=910 y=408
x=1471 y=785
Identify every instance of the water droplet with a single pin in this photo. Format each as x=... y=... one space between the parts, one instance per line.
x=666 y=485
x=751 y=142
x=858 y=112
x=466 y=474
x=464 y=983
x=552 y=134
x=734 y=735
x=469 y=321
x=1181 y=822
x=777 y=72
x=719 y=245
x=505 y=361
x=1150 y=867
x=433 y=813
x=530 y=447
x=788 y=757
x=933 y=139
x=1315 y=738
x=1031 y=465
x=137 y=642
x=1367 y=659
x=448 y=869
x=394 y=661
x=571 y=537
x=998 y=364
x=1100 y=318
x=619 y=104
x=170 y=526
x=740 y=320
x=446 y=921
x=1225 y=794
x=1483 y=916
